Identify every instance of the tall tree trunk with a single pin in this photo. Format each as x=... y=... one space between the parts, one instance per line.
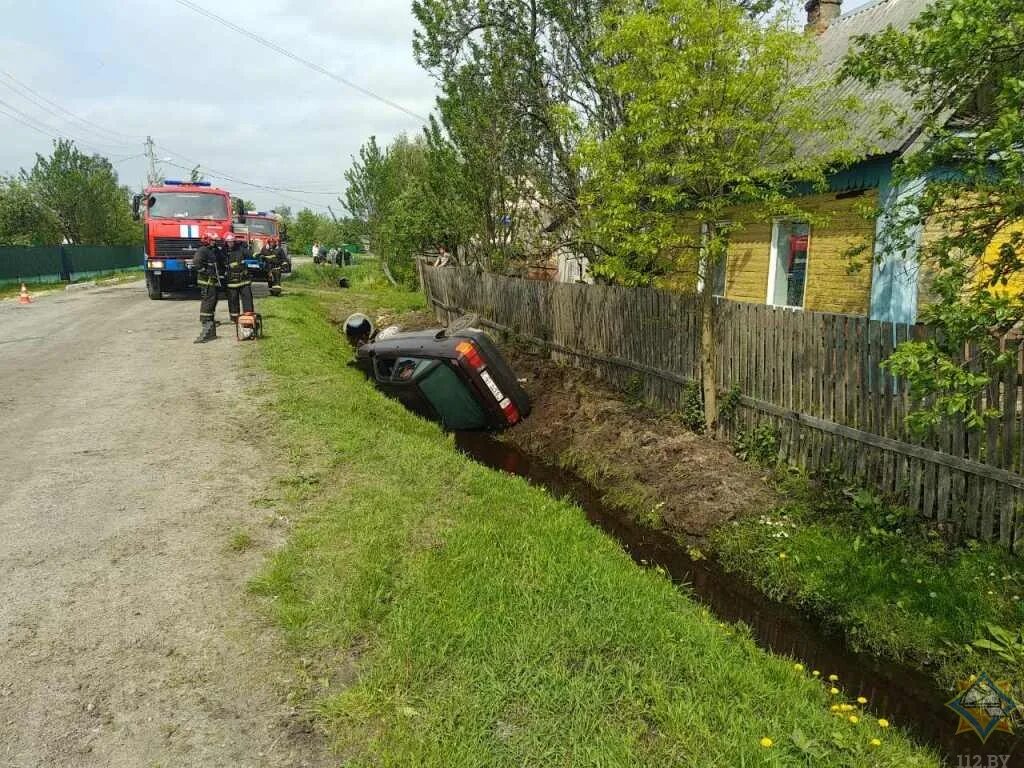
x=708 y=358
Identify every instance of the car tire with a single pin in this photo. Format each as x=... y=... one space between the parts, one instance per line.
x=154 y=287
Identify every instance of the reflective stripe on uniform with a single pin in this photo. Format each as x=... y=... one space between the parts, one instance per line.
x=206 y=316
x=240 y=285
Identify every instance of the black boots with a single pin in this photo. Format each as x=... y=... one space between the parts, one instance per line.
x=208 y=332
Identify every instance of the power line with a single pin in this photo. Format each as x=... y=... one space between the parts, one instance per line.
x=44 y=128
x=53 y=108
x=223 y=175
x=208 y=172
x=295 y=57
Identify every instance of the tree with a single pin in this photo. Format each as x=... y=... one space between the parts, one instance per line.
x=81 y=195
x=409 y=198
x=715 y=102
x=961 y=61
x=518 y=81
x=365 y=188
x=23 y=221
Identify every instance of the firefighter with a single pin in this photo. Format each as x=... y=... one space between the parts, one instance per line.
x=239 y=281
x=208 y=266
x=273 y=256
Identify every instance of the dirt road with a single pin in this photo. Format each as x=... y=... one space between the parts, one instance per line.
x=126 y=636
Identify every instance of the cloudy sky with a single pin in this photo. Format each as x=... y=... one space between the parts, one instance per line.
x=207 y=94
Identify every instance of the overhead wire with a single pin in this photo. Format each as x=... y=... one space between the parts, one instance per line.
x=299 y=59
x=230 y=177
x=8 y=110
x=48 y=105
x=208 y=172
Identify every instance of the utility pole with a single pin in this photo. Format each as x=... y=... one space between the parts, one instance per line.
x=332 y=214
x=154 y=177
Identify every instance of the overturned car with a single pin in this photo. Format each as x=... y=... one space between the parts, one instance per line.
x=457 y=377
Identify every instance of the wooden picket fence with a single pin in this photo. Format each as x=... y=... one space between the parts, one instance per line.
x=816 y=377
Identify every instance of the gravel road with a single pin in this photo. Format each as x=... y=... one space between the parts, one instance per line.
x=130 y=457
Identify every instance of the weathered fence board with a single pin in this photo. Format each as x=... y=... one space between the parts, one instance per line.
x=818 y=378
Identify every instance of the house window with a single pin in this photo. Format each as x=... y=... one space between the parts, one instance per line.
x=718 y=270
x=787 y=271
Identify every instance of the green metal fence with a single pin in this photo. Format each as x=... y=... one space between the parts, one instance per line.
x=50 y=264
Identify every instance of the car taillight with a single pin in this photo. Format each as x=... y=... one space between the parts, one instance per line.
x=511 y=413
x=468 y=352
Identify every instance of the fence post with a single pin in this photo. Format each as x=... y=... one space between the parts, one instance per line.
x=65 y=264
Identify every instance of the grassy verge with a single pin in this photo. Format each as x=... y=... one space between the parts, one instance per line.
x=480 y=622
x=9 y=290
x=891 y=583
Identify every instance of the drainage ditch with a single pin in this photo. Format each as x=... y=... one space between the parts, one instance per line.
x=903 y=695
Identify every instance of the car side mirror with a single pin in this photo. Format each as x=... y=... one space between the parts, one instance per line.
x=136 y=206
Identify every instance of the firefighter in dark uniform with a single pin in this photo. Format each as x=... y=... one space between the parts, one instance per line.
x=239 y=281
x=273 y=257
x=208 y=267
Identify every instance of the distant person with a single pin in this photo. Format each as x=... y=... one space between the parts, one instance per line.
x=316 y=253
x=273 y=256
x=442 y=257
x=332 y=256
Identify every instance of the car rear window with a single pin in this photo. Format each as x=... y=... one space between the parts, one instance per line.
x=457 y=406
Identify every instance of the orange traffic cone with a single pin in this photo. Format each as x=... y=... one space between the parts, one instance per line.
x=23 y=297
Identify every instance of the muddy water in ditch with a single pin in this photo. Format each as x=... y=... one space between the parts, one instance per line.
x=902 y=695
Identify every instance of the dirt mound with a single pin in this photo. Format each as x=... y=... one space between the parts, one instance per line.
x=645 y=462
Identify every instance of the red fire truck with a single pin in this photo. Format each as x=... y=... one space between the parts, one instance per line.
x=176 y=215
x=262 y=229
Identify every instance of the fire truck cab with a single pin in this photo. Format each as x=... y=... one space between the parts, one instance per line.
x=176 y=215
x=260 y=230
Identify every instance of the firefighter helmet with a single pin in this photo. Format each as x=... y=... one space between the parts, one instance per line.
x=358 y=329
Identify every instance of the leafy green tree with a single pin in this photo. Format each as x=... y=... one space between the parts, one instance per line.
x=302 y=232
x=409 y=198
x=23 y=220
x=82 y=195
x=715 y=103
x=962 y=62
x=518 y=80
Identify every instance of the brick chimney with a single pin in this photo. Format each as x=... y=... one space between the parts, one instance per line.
x=821 y=14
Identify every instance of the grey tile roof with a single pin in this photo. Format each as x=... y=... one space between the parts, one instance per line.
x=874 y=126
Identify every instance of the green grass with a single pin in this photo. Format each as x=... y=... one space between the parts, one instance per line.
x=240 y=541
x=7 y=290
x=487 y=623
x=892 y=585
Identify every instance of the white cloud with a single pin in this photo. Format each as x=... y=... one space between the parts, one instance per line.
x=207 y=93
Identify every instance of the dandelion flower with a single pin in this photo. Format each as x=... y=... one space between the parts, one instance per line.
x=834 y=678
x=854 y=719
x=861 y=700
x=846 y=707
x=766 y=742
x=883 y=723
x=876 y=742
x=783 y=555
x=816 y=673
x=834 y=708
x=833 y=691
x=798 y=667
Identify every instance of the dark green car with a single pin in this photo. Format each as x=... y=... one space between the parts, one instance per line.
x=460 y=380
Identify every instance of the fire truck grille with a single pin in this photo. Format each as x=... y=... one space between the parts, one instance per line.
x=176 y=247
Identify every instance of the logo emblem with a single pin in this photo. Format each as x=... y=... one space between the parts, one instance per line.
x=984 y=706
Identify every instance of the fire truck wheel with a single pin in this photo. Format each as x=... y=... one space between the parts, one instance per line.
x=153 y=287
